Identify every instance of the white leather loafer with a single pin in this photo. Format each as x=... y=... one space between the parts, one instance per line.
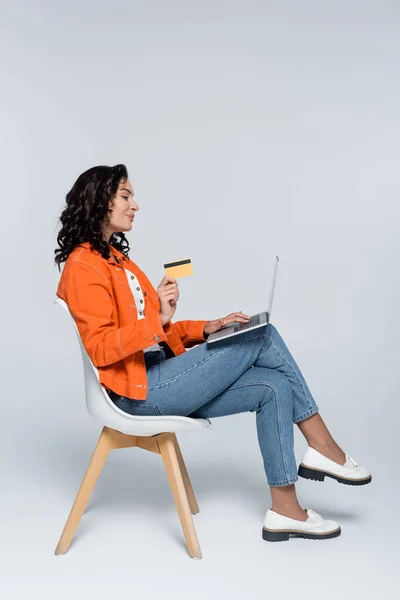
x=317 y=466
x=278 y=528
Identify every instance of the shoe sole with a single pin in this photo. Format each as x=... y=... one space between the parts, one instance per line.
x=318 y=475
x=283 y=535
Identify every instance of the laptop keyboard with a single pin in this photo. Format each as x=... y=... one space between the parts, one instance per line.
x=255 y=320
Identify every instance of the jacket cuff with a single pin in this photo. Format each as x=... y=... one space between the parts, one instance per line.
x=167 y=328
x=160 y=332
x=197 y=331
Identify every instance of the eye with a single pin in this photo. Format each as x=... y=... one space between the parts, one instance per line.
x=126 y=197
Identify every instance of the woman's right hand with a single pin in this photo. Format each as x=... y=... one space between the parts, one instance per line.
x=168 y=295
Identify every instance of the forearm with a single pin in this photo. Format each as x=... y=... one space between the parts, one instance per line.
x=190 y=332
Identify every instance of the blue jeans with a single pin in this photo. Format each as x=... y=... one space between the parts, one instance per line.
x=253 y=371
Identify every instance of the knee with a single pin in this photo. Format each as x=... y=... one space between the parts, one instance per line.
x=282 y=387
x=276 y=388
x=272 y=330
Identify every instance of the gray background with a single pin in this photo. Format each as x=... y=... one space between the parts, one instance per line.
x=249 y=129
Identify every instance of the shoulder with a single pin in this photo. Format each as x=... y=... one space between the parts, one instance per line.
x=87 y=261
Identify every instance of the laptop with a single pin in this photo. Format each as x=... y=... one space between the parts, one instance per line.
x=259 y=320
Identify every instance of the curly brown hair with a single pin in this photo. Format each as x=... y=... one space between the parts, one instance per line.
x=87 y=210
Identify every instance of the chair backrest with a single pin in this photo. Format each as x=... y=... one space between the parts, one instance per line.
x=98 y=402
x=101 y=407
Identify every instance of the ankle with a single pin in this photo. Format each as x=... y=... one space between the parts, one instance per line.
x=329 y=449
x=326 y=444
x=293 y=512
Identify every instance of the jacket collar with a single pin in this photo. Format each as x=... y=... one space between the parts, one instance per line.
x=120 y=256
x=124 y=263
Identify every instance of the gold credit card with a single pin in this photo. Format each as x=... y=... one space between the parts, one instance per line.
x=179 y=268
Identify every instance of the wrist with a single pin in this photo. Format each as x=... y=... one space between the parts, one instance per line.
x=164 y=321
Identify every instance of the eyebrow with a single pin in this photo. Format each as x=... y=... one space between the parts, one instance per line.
x=126 y=189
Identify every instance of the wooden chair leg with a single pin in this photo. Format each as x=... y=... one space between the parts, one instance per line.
x=175 y=478
x=96 y=464
x=194 y=507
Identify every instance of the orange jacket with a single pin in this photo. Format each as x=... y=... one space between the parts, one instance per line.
x=101 y=302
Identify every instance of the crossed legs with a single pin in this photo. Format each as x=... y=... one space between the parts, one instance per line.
x=284 y=499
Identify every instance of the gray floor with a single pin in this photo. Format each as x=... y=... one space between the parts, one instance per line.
x=130 y=539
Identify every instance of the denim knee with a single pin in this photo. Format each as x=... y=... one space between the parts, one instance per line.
x=273 y=332
x=275 y=384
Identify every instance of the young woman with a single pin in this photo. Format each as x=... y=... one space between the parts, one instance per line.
x=126 y=328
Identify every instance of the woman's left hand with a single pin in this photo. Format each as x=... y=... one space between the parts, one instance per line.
x=212 y=326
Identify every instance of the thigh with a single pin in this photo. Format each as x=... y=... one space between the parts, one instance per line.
x=256 y=385
x=180 y=385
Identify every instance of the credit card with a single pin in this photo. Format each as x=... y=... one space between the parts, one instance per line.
x=179 y=268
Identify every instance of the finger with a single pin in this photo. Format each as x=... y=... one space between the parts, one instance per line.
x=169 y=287
x=237 y=317
x=169 y=296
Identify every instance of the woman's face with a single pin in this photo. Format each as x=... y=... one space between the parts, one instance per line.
x=122 y=209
